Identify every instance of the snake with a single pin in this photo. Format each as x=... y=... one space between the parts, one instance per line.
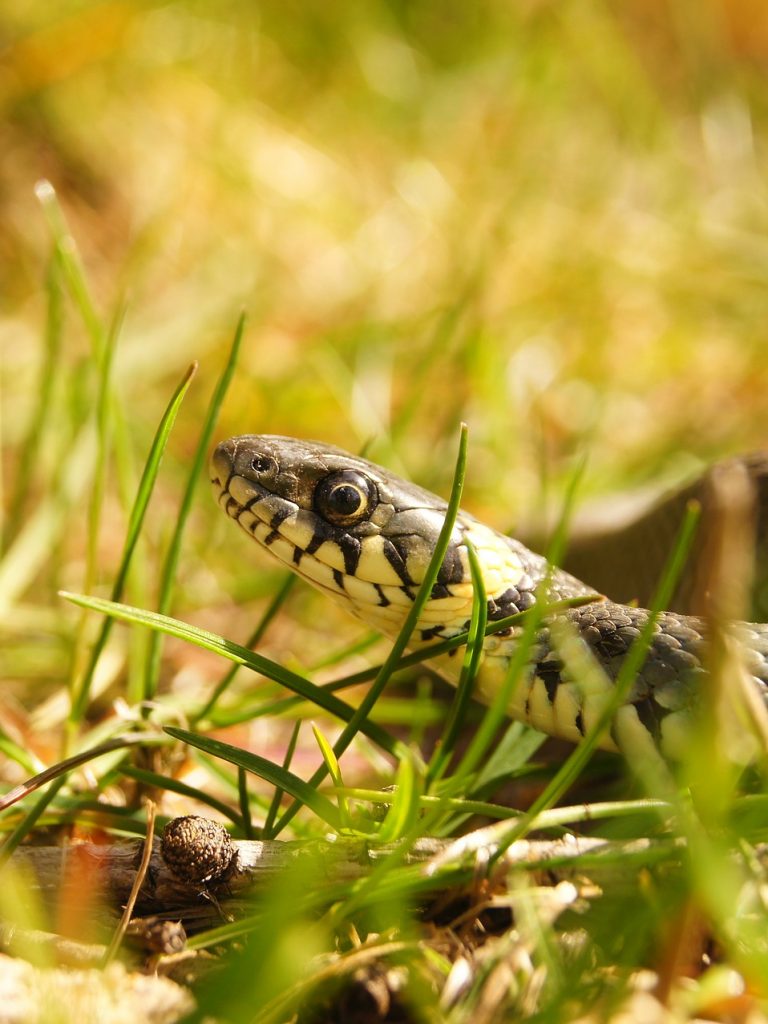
x=364 y=537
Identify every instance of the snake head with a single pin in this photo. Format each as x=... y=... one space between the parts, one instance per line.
x=354 y=529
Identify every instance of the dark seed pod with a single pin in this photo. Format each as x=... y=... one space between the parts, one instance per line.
x=196 y=849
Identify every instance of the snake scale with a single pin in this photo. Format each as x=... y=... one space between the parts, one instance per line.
x=364 y=536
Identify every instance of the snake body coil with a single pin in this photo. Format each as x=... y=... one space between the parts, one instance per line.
x=364 y=537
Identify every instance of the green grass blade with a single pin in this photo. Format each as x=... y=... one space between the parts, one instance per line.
x=472 y=655
x=242 y=799
x=102 y=421
x=267 y=770
x=334 y=770
x=401 y=641
x=70 y=763
x=405 y=810
x=318 y=695
x=28 y=822
x=42 y=526
x=409 y=660
x=167 y=783
x=82 y=689
x=71 y=265
x=272 y=609
x=14 y=752
x=574 y=764
x=102 y=424
x=50 y=368
x=57 y=776
x=274 y=806
x=171 y=561
x=497 y=712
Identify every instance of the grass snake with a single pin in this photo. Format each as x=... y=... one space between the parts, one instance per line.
x=364 y=537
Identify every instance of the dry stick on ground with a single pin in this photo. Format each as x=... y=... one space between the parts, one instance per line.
x=113 y=869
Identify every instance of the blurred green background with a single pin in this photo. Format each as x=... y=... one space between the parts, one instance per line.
x=545 y=217
x=548 y=218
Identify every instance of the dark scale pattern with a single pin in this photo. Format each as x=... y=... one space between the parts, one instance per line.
x=670 y=677
x=452 y=569
x=667 y=680
x=513 y=601
x=197 y=850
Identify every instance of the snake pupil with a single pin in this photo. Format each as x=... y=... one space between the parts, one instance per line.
x=346 y=497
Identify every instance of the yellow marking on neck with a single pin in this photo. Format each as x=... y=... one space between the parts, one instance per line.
x=373 y=564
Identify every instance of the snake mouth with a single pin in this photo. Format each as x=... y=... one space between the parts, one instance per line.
x=222 y=466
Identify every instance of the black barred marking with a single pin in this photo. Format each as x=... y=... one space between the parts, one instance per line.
x=433 y=632
x=347 y=544
x=383 y=599
x=408 y=593
x=274 y=535
x=440 y=590
x=298 y=554
x=395 y=559
x=550 y=673
x=651 y=715
x=232 y=504
x=278 y=518
x=579 y=722
x=338 y=579
x=350 y=549
x=317 y=540
x=452 y=569
x=253 y=501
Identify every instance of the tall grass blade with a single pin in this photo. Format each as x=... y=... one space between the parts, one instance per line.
x=274 y=806
x=71 y=265
x=301 y=791
x=272 y=609
x=81 y=690
x=171 y=561
x=29 y=452
x=575 y=762
x=401 y=641
x=236 y=653
x=472 y=655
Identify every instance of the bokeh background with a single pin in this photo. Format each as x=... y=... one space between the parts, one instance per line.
x=544 y=217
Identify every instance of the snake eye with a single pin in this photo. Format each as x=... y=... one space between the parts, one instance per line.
x=262 y=463
x=346 y=497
